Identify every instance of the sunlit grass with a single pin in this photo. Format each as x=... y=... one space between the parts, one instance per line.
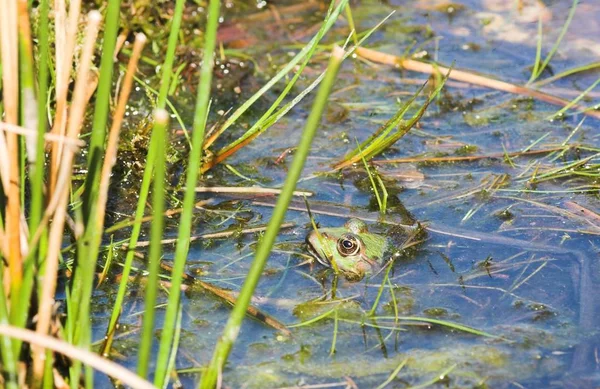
x=394 y=129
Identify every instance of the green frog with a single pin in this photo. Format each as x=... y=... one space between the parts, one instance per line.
x=355 y=251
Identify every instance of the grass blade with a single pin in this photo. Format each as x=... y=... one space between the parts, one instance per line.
x=290 y=65
x=161 y=118
x=563 y=31
x=393 y=375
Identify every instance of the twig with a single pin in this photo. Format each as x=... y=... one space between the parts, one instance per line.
x=92 y=359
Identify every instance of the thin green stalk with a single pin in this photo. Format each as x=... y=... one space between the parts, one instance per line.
x=161 y=118
x=444 y=323
x=48 y=382
x=260 y=123
x=335 y=333
x=79 y=306
x=563 y=31
x=436 y=378
x=9 y=357
x=574 y=101
x=149 y=170
x=380 y=291
x=176 y=338
x=538 y=52
x=351 y=24
x=225 y=343
x=286 y=69
x=393 y=297
x=393 y=375
x=37 y=173
x=167 y=69
x=185 y=223
x=96 y=142
x=375 y=190
x=567 y=73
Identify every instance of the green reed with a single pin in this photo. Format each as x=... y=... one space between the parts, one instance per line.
x=185 y=222
x=263 y=251
x=161 y=118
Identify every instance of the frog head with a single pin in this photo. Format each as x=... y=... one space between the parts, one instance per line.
x=355 y=251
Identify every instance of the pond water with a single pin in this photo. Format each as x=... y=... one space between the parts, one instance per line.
x=507 y=252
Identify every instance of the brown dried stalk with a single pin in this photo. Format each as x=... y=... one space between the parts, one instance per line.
x=65 y=47
x=10 y=64
x=115 y=129
x=73 y=144
x=104 y=365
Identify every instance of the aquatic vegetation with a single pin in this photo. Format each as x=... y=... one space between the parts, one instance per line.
x=138 y=219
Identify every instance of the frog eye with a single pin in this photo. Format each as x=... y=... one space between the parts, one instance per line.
x=348 y=245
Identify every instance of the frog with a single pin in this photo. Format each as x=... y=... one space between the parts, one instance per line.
x=355 y=251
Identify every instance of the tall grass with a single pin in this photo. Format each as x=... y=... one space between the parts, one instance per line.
x=32 y=247
x=44 y=113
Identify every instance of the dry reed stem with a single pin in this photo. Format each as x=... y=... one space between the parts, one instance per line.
x=113 y=137
x=121 y=39
x=459 y=75
x=73 y=144
x=10 y=64
x=59 y=121
x=56 y=229
x=5 y=50
x=103 y=365
x=63 y=70
x=584 y=212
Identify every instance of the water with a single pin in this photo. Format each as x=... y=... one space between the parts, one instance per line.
x=540 y=299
